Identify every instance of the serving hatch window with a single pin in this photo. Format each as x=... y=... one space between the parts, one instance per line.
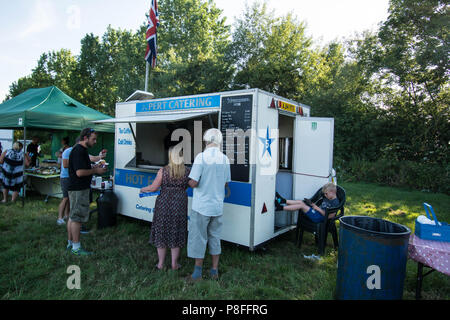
x=153 y=140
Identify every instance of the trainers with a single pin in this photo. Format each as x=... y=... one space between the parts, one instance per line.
x=81 y=252
x=69 y=247
x=278 y=206
x=60 y=222
x=312 y=257
x=279 y=199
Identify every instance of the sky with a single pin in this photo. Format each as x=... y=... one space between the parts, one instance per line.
x=29 y=28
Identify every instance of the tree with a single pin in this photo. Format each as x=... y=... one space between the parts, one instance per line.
x=409 y=55
x=338 y=88
x=192 y=43
x=109 y=69
x=53 y=68
x=270 y=53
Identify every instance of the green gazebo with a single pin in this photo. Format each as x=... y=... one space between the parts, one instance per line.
x=52 y=109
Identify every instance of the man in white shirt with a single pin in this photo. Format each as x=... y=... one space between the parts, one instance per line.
x=209 y=176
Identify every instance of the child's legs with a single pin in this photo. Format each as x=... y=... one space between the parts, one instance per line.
x=298 y=205
x=294 y=202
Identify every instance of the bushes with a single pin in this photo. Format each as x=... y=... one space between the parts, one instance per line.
x=422 y=176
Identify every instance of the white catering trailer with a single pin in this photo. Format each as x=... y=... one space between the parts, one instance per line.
x=283 y=150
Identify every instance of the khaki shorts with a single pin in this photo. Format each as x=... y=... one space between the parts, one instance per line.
x=79 y=205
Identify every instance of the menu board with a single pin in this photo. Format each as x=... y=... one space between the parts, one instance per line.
x=236 y=114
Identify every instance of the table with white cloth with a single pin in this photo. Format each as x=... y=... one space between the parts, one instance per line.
x=48 y=185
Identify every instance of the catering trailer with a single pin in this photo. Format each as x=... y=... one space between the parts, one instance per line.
x=272 y=142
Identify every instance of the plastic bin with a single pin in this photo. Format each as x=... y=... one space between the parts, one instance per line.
x=372 y=259
x=107 y=209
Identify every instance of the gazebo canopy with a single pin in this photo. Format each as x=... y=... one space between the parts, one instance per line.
x=50 y=108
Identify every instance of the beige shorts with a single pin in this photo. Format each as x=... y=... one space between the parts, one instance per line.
x=203 y=231
x=79 y=205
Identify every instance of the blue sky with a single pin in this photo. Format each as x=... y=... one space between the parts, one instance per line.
x=30 y=27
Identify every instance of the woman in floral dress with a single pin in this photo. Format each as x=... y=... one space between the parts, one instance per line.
x=169 y=226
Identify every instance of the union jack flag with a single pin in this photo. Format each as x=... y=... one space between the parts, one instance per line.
x=153 y=23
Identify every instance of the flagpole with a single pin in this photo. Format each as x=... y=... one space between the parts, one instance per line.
x=146 y=75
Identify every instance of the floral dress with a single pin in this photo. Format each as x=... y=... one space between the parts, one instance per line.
x=169 y=226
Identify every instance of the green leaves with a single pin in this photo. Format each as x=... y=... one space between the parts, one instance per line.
x=270 y=53
x=410 y=55
x=193 y=41
x=53 y=68
x=388 y=91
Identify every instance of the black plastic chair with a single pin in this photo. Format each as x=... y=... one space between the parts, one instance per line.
x=321 y=229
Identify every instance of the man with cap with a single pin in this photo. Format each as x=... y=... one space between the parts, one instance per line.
x=209 y=176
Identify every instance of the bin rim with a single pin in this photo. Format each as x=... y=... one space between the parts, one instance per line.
x=399 y=234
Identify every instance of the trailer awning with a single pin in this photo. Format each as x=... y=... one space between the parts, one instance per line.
x=166 y=117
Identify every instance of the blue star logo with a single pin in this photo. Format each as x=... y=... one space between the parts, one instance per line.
x=267 y=141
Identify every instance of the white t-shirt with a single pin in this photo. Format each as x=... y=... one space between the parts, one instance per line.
x=211 y=169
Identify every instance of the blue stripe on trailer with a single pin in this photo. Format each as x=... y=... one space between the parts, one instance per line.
x=241 y=192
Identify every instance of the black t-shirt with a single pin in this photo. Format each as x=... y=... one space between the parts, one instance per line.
x=79 y=159
x=33 y=148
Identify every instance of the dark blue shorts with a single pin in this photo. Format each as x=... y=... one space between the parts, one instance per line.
x=314 y=215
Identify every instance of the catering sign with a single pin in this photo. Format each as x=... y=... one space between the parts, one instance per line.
x=285 y=106
x=184 y=103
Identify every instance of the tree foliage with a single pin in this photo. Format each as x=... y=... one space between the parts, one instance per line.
x=193 y=40
x=409 y=56
x=270 y=53
x=388 y=90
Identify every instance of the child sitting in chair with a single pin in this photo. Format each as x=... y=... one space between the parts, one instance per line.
x=313 y=212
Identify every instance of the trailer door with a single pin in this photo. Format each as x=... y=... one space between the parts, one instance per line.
x=313 y=155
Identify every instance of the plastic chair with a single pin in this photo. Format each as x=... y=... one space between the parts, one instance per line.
x=321 y=229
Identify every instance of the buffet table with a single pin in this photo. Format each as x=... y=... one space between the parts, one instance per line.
x=47 y=183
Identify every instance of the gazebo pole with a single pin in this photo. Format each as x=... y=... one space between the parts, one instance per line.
x=24 y=188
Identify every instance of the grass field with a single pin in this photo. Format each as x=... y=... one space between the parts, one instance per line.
x=33 y=260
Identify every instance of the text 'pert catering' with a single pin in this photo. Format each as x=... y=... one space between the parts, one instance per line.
x=179 y=104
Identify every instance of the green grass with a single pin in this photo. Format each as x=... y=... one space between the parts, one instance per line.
x=33 y=260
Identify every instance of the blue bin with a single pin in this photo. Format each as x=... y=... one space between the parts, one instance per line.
x=372 y=259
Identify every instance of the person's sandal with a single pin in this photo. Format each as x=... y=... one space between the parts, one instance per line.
x=214 y=276
x=178 y=267
x=159 y=269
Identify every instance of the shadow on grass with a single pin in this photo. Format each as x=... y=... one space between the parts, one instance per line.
x=35 y=260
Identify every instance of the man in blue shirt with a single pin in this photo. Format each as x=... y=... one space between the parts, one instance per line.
x=64 y=178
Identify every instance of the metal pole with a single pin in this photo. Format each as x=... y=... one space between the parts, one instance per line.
x=146 y=75
x=24 y=152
